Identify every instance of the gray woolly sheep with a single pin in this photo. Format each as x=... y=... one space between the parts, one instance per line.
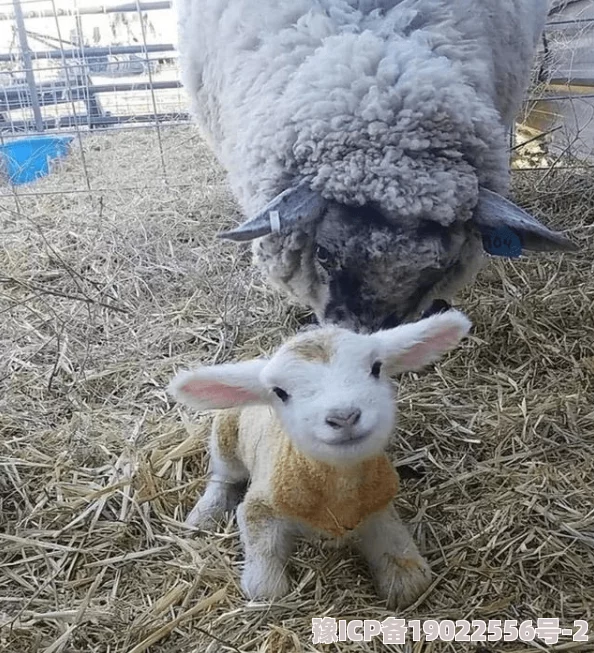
x=369 y=141
x=308 y=428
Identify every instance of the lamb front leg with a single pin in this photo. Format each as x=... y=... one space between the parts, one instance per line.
x=221 y=495
x=400 y=572
x=268 y=542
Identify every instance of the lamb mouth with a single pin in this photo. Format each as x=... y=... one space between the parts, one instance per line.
x=348 y=440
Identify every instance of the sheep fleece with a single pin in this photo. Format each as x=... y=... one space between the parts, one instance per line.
x=404 y=103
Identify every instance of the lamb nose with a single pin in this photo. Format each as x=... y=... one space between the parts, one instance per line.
x=340 y=418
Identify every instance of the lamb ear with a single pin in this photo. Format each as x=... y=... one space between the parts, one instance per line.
x=412 y=346
x=296 y=205
x=508 y=229
x=220 y=386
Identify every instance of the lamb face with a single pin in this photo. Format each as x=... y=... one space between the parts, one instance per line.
x=332 y=395
x=329 y=387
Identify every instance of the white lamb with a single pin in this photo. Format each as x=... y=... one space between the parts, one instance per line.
x=308 y=428
x=367 y=140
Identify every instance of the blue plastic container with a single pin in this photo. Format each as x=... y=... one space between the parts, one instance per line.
x=27 y=159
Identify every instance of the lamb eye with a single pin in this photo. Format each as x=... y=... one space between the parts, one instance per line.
x=281 y=394
x=325 y=258
x=376 y=368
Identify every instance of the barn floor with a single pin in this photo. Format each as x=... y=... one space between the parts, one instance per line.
x=104 y=294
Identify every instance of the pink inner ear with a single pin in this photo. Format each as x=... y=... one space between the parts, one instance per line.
x=428 y=349
x=219 y=392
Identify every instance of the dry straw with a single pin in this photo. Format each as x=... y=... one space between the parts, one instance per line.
x=103 y=295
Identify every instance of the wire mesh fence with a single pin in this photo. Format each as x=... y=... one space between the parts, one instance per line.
x=559 y=111
x=86 y=69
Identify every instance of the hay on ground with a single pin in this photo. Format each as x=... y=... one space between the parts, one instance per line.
x=104 y=294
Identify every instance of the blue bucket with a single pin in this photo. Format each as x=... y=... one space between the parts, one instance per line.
x=27 y=159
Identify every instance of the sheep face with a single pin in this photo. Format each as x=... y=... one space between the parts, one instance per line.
x=330 y=388
x=361 y=269
x=355 y=269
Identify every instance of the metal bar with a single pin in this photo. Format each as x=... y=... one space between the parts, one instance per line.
x=167 y=59
x=166 y=4
x=94 y=105
x=26 y=54
x=81 y=44
x=572 y=81
x=74 y=191
x=104 y=121
x=98 y=9
x=90 y=52
x=559 y=98
x=94 y=108
x=136 y=86
x=44 y=38
x=17 y=97
x=152 y=89
x=20 y=99
x=575 y=21
x=68 y=81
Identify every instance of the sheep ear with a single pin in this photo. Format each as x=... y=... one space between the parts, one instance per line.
x=411 y=347
x=507 y=229
x=220 y=386
x=294 y=206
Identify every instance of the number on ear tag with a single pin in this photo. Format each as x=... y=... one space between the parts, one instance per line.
x=502 y=242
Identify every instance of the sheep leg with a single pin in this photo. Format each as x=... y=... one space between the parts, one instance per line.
x=401 y=574
x=268 y=542
x=227 y=478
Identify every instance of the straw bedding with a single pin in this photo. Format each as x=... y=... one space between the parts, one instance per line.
x=103 y=295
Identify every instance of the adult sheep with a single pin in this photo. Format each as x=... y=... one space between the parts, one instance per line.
x=367 y=140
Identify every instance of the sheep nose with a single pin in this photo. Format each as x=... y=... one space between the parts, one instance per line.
x=339 y=419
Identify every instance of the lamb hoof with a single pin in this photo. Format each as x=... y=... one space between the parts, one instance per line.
x=203 y=518
x=264 y=584
x=402 y=580
x=210 y=509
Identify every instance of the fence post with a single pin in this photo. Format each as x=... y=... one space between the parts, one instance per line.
x=27 y=60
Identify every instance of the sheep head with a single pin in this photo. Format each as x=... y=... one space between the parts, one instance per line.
x=362 y=269
x=329 y=387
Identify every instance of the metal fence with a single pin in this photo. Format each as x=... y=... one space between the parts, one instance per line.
x=87 y=66
x=561 y=105
x=77 y=67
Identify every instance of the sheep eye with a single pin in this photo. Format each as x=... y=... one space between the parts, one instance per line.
x=325 y=258
x=376 y=368
x=281 y=394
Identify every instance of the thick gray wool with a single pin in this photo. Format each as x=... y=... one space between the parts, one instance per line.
x=401 y=103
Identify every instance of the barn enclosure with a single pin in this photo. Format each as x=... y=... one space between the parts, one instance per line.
x=112 y=278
